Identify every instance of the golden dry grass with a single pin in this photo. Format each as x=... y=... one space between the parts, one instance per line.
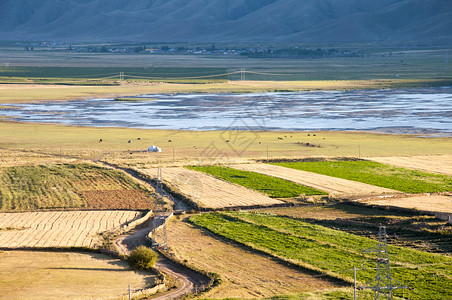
x=245 y=274
x=208 y=191
x=336 y=187
x=60 y=229
x=60 y=275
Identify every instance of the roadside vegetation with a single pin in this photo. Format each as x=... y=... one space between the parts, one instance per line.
x=273 y=187
x=396 y=178
x=25 y=188
x=331 y=252
x=142 y=258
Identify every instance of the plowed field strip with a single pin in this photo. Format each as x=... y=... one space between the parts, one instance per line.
x=56 y=229
x=438 y=163
x=332 y=185
x=426 y=203
x=211 y=192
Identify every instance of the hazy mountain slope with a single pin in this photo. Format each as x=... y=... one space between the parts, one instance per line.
x=227 y=20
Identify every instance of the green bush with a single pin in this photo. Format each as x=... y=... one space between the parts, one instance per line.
x=142 y=258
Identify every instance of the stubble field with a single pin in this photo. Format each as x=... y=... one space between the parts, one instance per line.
x=60 y=229
x=209 y=192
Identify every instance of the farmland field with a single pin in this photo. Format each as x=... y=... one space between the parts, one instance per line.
x=209 y=192
x=244 y=273
x=330 y=251
x=335 y=186
x=433 y=203
x=67 y=275
x=68 y=186
x=441 y=164
x=400 y=179
x=419 y=231
x=273 y=187
x=60 y=229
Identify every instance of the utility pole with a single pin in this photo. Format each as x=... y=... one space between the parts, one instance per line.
x=121 y=76
x=354 y=282
x=382 y=284
x=242 y=74
x=159 y=214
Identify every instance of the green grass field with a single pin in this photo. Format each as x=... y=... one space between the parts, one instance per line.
x=331 y=251
x=400 y=179
x=273 y=187
x=25 y=188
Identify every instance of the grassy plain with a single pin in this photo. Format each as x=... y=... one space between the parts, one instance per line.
x=25 y=188
x=330 y=251
x=66 y=275
x=272 y=186
x=26 y=143
x=396 y=178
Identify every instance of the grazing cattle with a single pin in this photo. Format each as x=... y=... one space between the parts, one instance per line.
x=170 y=141
x=139 y=139
x=100 y=141
x=129 y=141
x=309 y=134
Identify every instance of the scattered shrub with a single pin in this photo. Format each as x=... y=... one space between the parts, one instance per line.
x=142 y=258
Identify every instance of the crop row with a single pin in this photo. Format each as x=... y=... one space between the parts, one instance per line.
x=273 y=187
x=396 y=178
x=330 y=251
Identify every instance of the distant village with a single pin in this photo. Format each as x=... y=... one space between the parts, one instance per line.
x=253 y=52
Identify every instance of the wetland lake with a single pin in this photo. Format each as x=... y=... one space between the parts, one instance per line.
x=420 y=111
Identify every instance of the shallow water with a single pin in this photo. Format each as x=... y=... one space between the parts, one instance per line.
x=400 y=111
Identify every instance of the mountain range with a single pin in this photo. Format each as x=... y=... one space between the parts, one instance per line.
x=314 y=21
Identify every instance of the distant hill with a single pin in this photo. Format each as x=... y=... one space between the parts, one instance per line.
x=335 y=21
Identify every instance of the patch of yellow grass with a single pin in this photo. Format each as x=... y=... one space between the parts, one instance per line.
x=60 y=275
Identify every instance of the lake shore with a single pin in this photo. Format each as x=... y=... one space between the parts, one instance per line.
x=26 y=93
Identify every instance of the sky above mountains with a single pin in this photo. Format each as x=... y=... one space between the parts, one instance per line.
x=315 y=21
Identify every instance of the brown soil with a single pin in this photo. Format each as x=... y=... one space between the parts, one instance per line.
x=60 y=229
x=117 y=199
x=434 y=203
x=210 y=192
x=245 y=274
x=431 y=163
x=337 y=187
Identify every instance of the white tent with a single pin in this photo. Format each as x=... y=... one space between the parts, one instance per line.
x=154 y=149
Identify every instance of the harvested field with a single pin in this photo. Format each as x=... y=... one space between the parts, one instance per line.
x=430 y=163
x=67 y=275
x=60 y=229
x=245 y=274
x=434 y=203
x=210 y=192
x=117 y=199
x=335 y=186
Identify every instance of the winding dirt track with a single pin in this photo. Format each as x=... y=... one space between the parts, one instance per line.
x=335 y=186
x=210 y=192
x=187 y=281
